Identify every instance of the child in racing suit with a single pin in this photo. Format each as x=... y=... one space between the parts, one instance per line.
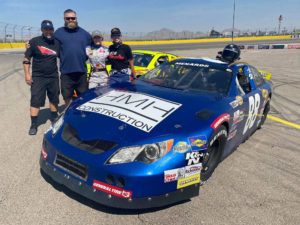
x=97 y=54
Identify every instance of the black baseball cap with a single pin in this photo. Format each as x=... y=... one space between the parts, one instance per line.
x=47 y=24
x=115 y=32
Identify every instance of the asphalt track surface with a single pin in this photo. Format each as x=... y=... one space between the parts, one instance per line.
x=258 y=184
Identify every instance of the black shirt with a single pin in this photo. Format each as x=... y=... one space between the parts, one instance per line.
x=44 y=55
x=119 y=56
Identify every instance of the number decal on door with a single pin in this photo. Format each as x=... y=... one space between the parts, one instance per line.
x=254 y=102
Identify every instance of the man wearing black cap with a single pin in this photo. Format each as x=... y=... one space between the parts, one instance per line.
x=43 y=50
x=121 y=59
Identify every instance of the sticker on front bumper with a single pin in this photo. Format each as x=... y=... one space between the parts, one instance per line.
x=187 y=181
x=109 y=189
x=136 y=109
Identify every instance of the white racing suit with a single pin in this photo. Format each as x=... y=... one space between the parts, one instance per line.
x=97 y=57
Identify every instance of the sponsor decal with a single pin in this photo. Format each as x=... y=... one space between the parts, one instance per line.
x=260 y=115
x=181 y=147
x=218 y=135
x=187 y=181
x=192 y=64
x=234 y=104
x=109 y=189
x=193 y=169
x=239 y=100
x=231 y=134
x=265 y=93
x=46 y=51
x=139 y=110
x=198 y=143
x=254 y=103
x=173 y=175
x=179 y=173
x=193 y=158
x=220 y=120
x=238 y=116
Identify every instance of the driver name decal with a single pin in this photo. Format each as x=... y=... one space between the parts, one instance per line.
x=138 y=110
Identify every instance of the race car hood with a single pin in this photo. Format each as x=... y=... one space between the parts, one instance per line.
x=139 y=112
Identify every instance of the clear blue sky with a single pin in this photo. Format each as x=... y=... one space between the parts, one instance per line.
x=149 y=15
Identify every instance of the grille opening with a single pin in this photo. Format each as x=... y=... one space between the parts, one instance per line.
x=71 y=166
x=71 y=136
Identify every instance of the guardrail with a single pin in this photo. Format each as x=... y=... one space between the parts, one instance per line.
x=157 y=42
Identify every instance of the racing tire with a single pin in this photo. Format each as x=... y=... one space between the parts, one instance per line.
x=265 y=114
x=214 y=153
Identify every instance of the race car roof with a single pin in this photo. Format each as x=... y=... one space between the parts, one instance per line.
x=203 y=62
x=150 y=52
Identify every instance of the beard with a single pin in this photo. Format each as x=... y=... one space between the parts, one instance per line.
x=71 y=25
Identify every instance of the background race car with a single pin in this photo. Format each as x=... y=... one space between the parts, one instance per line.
x=151 y=142
x=148 y=60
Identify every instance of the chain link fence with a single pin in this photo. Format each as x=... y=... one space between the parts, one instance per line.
x=20 y=33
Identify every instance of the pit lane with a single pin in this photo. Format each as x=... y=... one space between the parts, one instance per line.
x=258 y=184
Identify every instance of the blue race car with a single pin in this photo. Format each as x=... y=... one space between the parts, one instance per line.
x=152 y=142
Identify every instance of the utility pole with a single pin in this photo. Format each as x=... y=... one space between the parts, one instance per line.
x=22 y=32
x=29 y=31
x=14 y=31
x=5 y=32
x=279 y=23
x=233 y=18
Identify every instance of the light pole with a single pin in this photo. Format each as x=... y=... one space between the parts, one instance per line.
x=279 y=23
x=29 y=29
x=233 y=18
x=5 y=32
x=14 y=31
x=22 y=32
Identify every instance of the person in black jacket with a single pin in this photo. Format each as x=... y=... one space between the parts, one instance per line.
x=42 y=53
x=121 y=59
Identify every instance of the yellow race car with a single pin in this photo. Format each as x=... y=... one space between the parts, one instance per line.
x=148 y=60
x=144 y=61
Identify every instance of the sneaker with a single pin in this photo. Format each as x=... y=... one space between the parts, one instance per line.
x=32 y=130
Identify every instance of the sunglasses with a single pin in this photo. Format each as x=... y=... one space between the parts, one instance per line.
x=70 y=18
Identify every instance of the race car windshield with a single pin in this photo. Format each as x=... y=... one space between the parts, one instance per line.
x=190 y=76
x=142 y=60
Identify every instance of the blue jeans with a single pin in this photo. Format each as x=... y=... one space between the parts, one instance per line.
x=119 y=77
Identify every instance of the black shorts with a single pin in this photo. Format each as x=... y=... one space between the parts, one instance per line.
x=73 y=82
x=41 y=86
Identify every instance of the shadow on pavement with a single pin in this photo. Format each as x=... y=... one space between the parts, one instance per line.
x=45 y=115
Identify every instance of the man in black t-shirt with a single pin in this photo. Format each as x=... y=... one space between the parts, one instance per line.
x=121 y=59
x=43 y=53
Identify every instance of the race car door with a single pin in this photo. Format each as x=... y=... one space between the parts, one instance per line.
x=252 y=101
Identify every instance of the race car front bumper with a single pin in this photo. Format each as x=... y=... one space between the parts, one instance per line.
x=112 y=201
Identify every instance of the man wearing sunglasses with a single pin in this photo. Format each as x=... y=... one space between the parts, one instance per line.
x=73 y=42
x=42 y=52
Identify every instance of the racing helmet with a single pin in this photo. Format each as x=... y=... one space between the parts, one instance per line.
x=231 y=53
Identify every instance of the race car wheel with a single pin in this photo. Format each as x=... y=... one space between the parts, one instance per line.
x=265 y=114
x=214 y=153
